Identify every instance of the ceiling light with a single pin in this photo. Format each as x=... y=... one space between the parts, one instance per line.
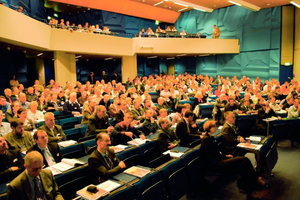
x=159 y=3
x=108 y=58
x=182 y=9
x=192 y=5
x=180 y=55
x=245 y=4
x=152 y=57
x=171 y=58
x=235 y=3
x=181 y=4
x=40 y=54
x=295 y=4
x=78 y=56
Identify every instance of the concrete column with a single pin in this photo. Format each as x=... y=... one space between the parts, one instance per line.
x=297 y=45
x=40 y=68
x=65 y=68
x=129 y=67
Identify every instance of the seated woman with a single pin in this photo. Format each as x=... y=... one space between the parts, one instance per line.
x=33 y=114
x=214 y=160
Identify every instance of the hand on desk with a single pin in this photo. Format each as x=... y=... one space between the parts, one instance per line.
x=122 y=165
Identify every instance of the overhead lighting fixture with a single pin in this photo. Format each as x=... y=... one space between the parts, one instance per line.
x=180 y=55
x=40 y=54
x=295 y=4
x=245 y=4
x=235 y=3
x=108 y=58
x=182 y=9
x=181 y=4
x=192 y=5
x=78 y=56
x=152 y=57
x=171 y=58
x=159 y=3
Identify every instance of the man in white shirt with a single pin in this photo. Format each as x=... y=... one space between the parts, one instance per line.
x=4 y=126
x=294 y=110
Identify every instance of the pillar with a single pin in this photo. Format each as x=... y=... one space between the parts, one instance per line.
x=65 y=68
x=129 y=67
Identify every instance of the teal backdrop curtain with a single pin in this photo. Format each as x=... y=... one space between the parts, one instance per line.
x=259 y=39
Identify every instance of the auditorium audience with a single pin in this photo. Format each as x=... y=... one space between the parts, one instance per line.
x=140 y=121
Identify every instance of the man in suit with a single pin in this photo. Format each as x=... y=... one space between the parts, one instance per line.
x=51 y=153
x=103 y=162
x=11 y=164
x=34 y=182
x=125 y=131
x=72 y=106
x=18 y=137
x=55 y=132
x=166 y=138
x=230 y=135
x=98 y=122
x=183 y=130
x=137 y=111
x=123 y=109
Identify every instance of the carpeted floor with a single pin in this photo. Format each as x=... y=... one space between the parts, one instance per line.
x=285 y=185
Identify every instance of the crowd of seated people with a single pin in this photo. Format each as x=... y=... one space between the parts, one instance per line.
x=126 y=111
x=170 y=31
x=62 y=24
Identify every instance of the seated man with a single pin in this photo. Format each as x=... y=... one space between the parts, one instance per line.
x=103 y=163
x=34 y=182
x=22 y=99
x=11 y=164
x=72 y=106
x=4 y=105
x=55 y=132
x=230 y=135
x=98 y=122
x=88 y=109
x=263 y=113
x=123 y=109
x=246 y=107
x=161 y=104
x=4 y=126
x=166 y=138
x=19 y=138
x=183 y=130
x=294 y=110
x=149 y=125
x=232 y=106
x=12 y=113
x=137 y=110
x=51 y=153
x=125 y=131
